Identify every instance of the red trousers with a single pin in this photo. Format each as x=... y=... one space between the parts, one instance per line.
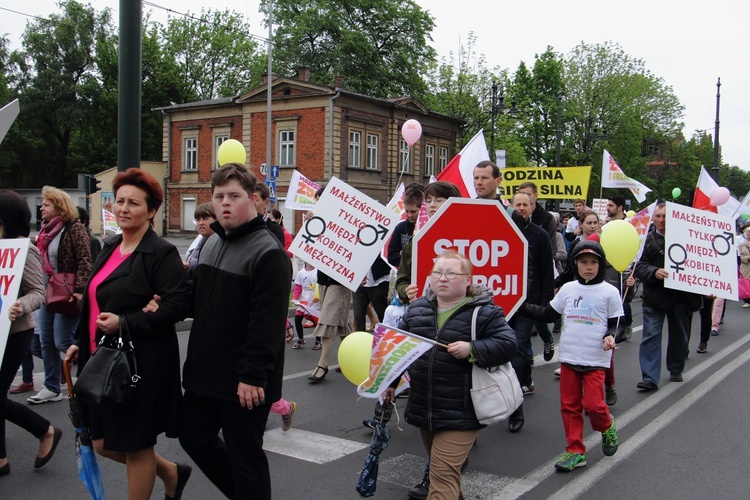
x=579 y=391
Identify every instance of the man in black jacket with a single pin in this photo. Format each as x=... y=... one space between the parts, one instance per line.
x=659 y=303
x=235 y=358
x=539 y=291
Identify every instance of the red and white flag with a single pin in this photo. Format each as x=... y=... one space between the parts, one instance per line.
x=614 y=177
x=702 y=196
x=460 y=170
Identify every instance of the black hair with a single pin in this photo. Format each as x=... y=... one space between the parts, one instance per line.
x=15 y=215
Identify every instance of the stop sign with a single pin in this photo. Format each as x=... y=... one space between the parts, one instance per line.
x=484 y=232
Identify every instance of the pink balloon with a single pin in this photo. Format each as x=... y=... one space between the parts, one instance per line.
x=411 y=131
x=719 y=196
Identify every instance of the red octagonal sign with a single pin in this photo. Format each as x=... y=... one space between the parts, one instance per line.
x=484 y=232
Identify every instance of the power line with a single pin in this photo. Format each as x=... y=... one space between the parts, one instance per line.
x=22 y=13
x=188 y=16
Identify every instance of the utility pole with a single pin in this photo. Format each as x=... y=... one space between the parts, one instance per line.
x=129 y=87
x=269 y=91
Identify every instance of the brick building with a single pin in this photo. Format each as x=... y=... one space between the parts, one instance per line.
x=320 y=130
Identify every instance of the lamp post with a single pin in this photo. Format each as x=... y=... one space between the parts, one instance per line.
x=592 y=136
x=558 y=132
x=715 y=169
x=498 y=107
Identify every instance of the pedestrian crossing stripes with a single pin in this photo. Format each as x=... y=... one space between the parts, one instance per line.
x=309 y=446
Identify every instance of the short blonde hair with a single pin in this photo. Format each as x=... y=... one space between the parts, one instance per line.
x=466 y=266
x=62 y=201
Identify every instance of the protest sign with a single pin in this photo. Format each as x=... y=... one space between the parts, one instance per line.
x=599 y=205
x=562 y=183
x=13 y=253
x=301 y=193
x=700 y=252
x=345 y=235
x=482 y=231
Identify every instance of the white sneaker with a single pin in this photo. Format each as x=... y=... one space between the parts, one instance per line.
x=45 y=396
x=557 y=372
x=745 y=305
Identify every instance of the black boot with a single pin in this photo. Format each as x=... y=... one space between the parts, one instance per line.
x=420 y=490
x=515 y=421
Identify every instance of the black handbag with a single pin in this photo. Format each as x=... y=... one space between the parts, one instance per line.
x=110 y=377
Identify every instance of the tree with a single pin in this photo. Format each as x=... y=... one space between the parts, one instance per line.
x=379 y=46
x=611 y=91
x=539 y=95
x=57 y=82
x=214 y=54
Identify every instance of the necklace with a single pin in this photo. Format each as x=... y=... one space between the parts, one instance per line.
x=124 y=252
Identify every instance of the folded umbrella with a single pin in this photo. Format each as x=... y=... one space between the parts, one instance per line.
x=88 y=468
x=369 y=476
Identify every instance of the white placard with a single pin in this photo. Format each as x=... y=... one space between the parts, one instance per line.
x=12 y=261
x=345 y=235
x=700 y=252
x=301 y=194
x=599 y=205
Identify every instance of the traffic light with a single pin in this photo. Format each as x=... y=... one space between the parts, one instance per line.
x=93 y=184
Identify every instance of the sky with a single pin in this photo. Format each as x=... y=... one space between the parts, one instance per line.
x=689 y=44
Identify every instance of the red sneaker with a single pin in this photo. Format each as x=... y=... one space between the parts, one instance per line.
x=22 y=387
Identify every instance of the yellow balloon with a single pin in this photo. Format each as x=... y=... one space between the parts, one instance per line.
x=620 y=242
x=231 y=151
x=354 y=356
x=630 y=214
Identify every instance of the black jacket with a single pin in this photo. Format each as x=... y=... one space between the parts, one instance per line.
x=546 y=221
x=242 y=286
x=440 y=384
x=401 y=234
x=540 y=278
x=154 y=267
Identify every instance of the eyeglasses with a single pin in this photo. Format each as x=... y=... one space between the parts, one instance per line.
x=449 y=275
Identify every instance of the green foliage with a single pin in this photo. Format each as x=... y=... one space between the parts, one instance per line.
x=379 y=46
x=213 y=54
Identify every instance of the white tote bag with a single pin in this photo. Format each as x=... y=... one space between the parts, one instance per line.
x=495 y=392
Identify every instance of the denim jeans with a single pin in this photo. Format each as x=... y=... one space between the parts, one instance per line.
x=56 y=334
x=678 y=326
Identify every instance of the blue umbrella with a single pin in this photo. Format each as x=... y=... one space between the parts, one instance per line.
x=369 y=477
x=88 y=468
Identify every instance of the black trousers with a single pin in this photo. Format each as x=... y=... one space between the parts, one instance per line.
x=20 y=414
x=377 y=295
x=237 y=464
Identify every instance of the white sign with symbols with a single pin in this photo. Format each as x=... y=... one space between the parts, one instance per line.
x=700 y=252
x=263 y=169
x=345 y=235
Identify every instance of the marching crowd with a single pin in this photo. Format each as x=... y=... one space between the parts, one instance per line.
x=235 y=282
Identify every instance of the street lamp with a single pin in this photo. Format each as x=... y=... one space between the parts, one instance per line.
x=498 y=107
x=715 y=169
x=591 y=136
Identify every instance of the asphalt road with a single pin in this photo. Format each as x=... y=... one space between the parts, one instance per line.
x=685 y=441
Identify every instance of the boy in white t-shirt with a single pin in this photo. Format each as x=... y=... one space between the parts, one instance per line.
x=592 y=309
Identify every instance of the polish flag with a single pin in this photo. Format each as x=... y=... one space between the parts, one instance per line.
x=460 y=170
x=702 y=197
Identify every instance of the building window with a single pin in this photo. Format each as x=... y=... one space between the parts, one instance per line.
x=218 y=141
x=429 y=160
x=372 y=151
x=190 y=161
x=286 y=148
x=355 y=148
x=405 y=158
x=443 y=159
